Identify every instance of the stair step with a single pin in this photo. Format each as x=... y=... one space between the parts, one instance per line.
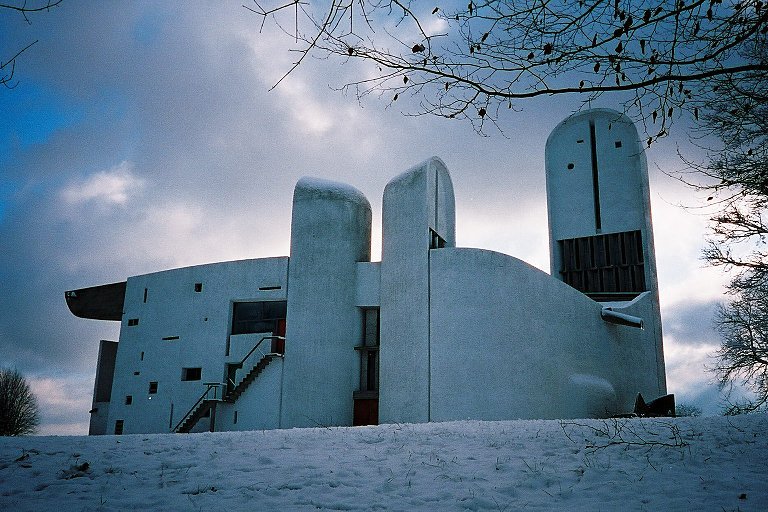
x=249 y=378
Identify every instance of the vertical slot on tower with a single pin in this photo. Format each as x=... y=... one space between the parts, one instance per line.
x=595 y=179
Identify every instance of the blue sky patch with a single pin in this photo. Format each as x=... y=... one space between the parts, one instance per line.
x=31 y=113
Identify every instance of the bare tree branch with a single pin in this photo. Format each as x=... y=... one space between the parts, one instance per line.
x=8 y=68
x=495 y=53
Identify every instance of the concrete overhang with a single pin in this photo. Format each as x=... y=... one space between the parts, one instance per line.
x=104 y=302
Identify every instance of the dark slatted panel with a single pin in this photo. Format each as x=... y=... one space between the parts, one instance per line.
x=610 y=263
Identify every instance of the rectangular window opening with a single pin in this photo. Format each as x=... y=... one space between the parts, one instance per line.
x=234 y=420
x=198 y=287
x=170 y=338
x=153 y=387
x=119 y=427
x=372 y=383
x=141 y=357
x=191 y=373
x=145 y=295
x=267 y=288
x=371 y=329
x=128 y=399
x=258 y=317
x=133 y=322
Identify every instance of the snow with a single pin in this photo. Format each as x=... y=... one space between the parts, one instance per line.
x=312 y=187
x=628 y=464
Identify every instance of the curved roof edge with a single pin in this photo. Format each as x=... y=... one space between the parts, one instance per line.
x=104 y=302
x=619 y=117
x=316 y=188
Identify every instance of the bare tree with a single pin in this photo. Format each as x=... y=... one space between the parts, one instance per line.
x=734 y=130
x=18 y=405
x=24 y=8
x=659 y=56
x=743 y=354
x=736 y=176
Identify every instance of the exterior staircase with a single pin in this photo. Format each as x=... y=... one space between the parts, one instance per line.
x=238 y=390
x=193 y=417
x=205 y=404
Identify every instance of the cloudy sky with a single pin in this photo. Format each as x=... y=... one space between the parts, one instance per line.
x=143 y=136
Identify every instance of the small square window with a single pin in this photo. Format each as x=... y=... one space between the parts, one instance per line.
x=198 y=287
x=617 y=144
x=119 y=427
x=132 y=322
x=128 y=399
x=153 y=387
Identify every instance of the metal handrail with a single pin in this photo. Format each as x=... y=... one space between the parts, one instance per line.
x=241 y=363
x=233 y=367
x=215 y=386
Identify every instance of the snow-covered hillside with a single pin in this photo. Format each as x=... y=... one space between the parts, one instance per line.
x=664 y=464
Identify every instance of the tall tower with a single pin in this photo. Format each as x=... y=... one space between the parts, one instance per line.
x=418 y=215
x=600 y=232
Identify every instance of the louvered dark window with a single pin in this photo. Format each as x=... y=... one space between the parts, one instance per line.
x=604 y=264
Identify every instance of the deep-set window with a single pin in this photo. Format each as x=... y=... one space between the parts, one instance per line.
x=610 y=263
x=435 y=240
x=369 y=352
x=153 y=387
x=371 y=327
x=132 y=322
x=254 y=317
x=119 y=427
x=128 y=399
x=191 y=373
x=198 y=287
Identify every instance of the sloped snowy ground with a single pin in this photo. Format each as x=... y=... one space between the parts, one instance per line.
x=665 y=464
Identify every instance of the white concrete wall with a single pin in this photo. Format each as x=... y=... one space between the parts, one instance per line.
x=330 y=234
x=639 y=367
x=368 y=281
x=508 y=341
x=202 y=323
x=414 y=202
x=622 y=173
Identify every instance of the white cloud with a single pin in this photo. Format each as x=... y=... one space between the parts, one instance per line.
x=62 y=403
x=436 y=26
x=114 y=186
x=686 y=366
